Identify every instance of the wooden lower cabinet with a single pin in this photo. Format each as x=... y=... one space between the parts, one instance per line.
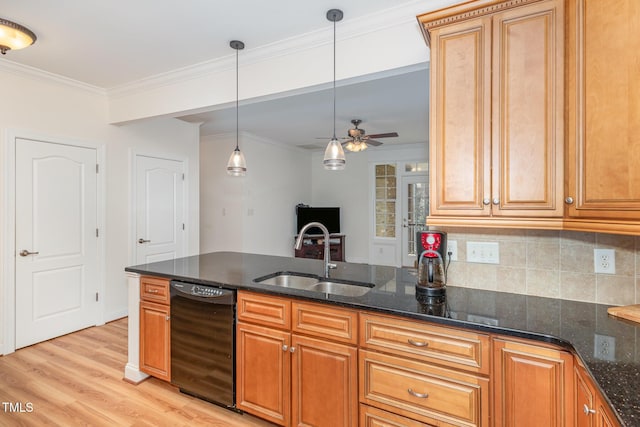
x=155 y=327
x=589 y=405
x=324 y=383
x=374 y=417
x=422 y=391
x=155 y=340
x=262 y=372
x=533 y=385
x=294 y=379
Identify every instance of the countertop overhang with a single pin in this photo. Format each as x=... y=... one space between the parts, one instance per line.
x=572 y=325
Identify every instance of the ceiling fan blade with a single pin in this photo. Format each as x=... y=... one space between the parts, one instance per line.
x=384 y=135
x=373 y=142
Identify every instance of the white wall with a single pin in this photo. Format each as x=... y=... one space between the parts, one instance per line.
x=254 y=213
x=38 y=104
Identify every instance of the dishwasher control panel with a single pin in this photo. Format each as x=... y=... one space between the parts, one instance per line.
x=221 y=296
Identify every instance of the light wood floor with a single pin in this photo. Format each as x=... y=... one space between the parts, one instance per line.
x=77 y=380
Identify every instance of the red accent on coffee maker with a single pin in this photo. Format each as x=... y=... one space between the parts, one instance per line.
x=430 y=241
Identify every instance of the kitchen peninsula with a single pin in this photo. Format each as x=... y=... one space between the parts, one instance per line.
x=502 y=323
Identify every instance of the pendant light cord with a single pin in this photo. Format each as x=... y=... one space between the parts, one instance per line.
x=334 y=79
x=237 y=125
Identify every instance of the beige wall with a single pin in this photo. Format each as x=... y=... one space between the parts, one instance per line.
x=557 y=264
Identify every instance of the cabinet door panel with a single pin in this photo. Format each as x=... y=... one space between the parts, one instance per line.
x=262 y=372
x=155 y=340
x=533 y=386
x=324 y=383
x=604 y=115
x=460 y=118
x=528 y=108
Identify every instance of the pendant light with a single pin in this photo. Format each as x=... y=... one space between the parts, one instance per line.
x=334 y=154
x=237 y=166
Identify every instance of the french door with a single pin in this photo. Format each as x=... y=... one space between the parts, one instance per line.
x=415 y=206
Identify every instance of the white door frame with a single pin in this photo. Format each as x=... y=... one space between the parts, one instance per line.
x=8 y=227
x=133 y=247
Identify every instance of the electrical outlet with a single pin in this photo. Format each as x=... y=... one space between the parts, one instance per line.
x=483 y=252
x=604 y=347
x=604 y=261
x=452 y=247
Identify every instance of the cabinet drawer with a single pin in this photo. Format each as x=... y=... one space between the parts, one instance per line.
x=420 y=340
x=423 y=392
x=339 y=324
x=264 y=309
x=374 y=417
x=154 y=289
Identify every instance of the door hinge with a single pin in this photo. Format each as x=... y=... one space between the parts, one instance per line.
x=97 y=233
x=96 y=297
x=183 y=225
x=183 y=177
x=97 y=168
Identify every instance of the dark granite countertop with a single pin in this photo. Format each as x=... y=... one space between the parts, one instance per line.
x=570 y=324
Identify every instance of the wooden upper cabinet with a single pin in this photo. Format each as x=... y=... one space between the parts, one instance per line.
x=528 y=111
x=460 y=149
x=496 y=106
x=603 y=92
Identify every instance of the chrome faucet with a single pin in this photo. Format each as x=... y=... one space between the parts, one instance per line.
x=327 y=257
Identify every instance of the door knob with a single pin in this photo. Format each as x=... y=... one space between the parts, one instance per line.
x=496 y=201
x=25 y=252
x=141 y=240
x=569 y=200
x=486 y=201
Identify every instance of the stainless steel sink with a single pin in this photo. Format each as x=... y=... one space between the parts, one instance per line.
x=288 y=280
x=313 y=283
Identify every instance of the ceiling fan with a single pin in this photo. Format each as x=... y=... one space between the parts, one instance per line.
x=358 y=140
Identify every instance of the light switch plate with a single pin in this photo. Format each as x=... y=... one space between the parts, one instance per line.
x=483 y=252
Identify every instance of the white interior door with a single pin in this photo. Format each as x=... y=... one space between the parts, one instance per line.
x=415 y=205
x=160 y=210
x=56 y=242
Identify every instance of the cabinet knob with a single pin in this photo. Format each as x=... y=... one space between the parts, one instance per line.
x=496 y=201
x=418 y=395
x=292 y=349
x=587 y=410
x=569 y=200
x=417 y=343
x=167 y=318
x=486 y=201
x=285 y=347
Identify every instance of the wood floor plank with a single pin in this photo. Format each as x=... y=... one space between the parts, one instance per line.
x=77 y=380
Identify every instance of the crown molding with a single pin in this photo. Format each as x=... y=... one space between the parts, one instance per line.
x=404 y=14
x=38 y=74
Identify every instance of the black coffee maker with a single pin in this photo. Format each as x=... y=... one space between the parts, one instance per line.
x=432 y=270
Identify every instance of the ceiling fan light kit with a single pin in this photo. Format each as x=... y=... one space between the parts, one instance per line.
x=334 y=154
x=14 y=36
x=237 y=166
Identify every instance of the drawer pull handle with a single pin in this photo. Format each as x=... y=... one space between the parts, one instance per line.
x=418 y=395
x=417 y=343
x=152 y=291
x=587 y=410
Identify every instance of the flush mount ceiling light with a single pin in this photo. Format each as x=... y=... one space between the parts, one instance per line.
x=14 y=36
x=334 y=154
x=237 y=166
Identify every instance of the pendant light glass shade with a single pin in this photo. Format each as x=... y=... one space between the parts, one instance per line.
x=334 y=154
x=237 y=166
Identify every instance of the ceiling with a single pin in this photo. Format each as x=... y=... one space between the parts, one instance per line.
x=113 y=43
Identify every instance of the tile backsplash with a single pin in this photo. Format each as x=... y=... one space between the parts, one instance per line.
x=557 y=264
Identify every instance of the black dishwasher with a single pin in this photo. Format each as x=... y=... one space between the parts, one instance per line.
x=203 y=341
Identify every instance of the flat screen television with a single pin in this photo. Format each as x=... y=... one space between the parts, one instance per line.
x=329 y=217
